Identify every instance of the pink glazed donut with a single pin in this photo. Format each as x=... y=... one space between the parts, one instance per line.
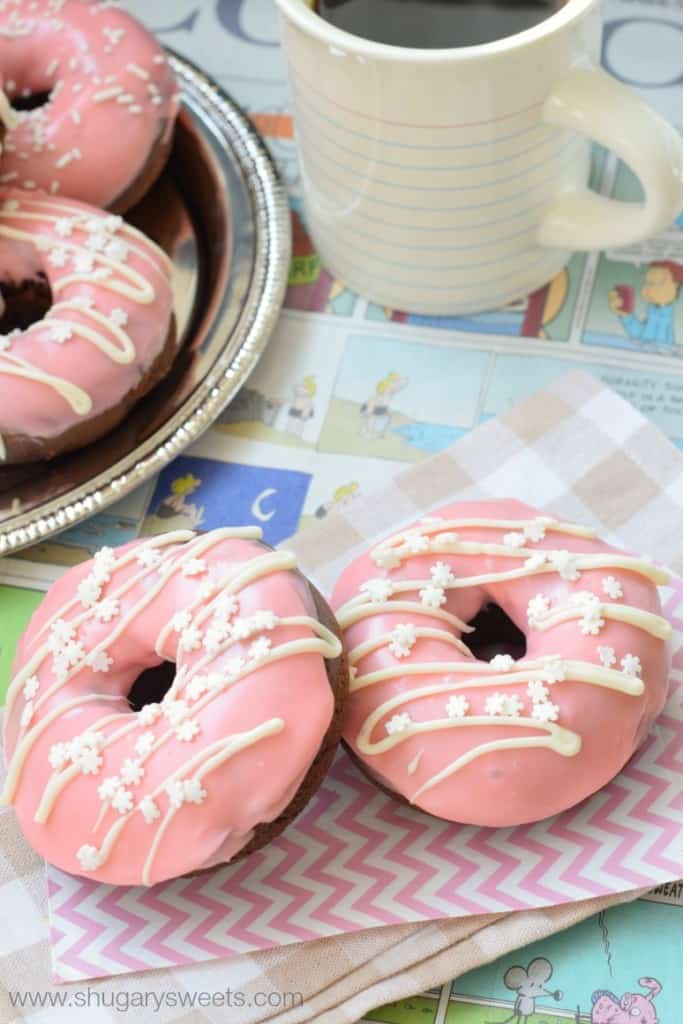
x=500 y=742
x=104 y=132
x=107 y=337
x=186 y=782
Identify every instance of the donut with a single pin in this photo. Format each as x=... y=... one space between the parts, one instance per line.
x=94 y=99
x=100 y=294
x=134 y=791
x=476 y=734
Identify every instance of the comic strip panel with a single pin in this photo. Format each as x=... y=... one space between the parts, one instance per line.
x=382 y=390
x=286 y=398
x=637 y=303
x=596 y=973
x=204 y=494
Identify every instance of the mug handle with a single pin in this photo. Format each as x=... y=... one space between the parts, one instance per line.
x=592 y=103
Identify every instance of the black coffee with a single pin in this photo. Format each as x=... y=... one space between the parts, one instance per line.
x=433 y=24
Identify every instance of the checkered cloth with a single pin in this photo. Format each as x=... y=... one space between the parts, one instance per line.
x=577 y=451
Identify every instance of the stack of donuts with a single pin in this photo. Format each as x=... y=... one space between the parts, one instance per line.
x=88 y=107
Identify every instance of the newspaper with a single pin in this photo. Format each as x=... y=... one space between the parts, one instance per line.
x=349 y=392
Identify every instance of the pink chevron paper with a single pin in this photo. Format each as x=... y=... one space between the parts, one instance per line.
x=356 y=859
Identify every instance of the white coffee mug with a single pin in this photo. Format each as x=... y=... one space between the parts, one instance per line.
x=453 y=181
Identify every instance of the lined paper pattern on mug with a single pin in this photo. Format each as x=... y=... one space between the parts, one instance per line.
x=429 y=201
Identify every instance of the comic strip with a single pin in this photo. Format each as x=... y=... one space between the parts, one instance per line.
x=383 y=389
x=595 y=973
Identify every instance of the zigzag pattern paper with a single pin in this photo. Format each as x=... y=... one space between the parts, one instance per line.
x=357 y=859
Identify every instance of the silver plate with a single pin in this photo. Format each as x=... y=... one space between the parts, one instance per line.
x=220 y=212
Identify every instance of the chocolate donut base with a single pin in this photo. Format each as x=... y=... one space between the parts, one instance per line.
x=338 y=676
x=21 y=449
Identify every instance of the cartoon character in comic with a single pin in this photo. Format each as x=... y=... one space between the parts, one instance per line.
x=661 y=288
x=301 y=408
x=342 y=496
x=632 y=1008
x=376 y=411
x=175 y=504
x=529 y=984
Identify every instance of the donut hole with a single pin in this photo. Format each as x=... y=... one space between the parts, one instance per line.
x=25 y=303
x=495 y=633
x=151 y=685
x=33 y=101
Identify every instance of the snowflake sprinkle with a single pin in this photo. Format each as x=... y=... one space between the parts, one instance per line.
x=89 y=761
x=612 y=588
x=403 y=640
x=99 y=661
x=417 y=544
x=150 y=811
x=432 y=597
x=106 y=610
x=108 y=787
x=442 y=575
x=505 y=704
x=457 y=706
x=537 y=608
x=564 y=562
x=631 y=665
x=132 y=772
x=386 y=558
x=502 y=662
x=191 y=638
x=144 y=744
x=187 y=730
x=607 y=656
x=535 y=530
x=193 y=791
x=260 y=648
x=545 y=711
x=89 y=591
x=399 y=723
x=148 y=557
x=174 y=710
x=513 y=540
x=180 y=621
x=58 y=755
x=59 y=333
x=89 y=857
x=176 y=792
x=122 y=800
x=148 y=714
x=377 y=590
x=537 y=690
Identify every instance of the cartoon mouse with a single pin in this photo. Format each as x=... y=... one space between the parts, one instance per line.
x=529 y=984
x=632 y=1008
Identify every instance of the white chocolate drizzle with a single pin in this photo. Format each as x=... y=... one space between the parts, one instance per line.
x=460 y=680
x=160 y=559
x=90 y=250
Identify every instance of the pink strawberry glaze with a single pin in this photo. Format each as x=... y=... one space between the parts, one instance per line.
x=30 y=406
x=253 y=787
x=506 y=788
x=76 y=145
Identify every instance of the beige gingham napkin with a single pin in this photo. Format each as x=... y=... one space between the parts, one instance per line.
x=576 y=450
